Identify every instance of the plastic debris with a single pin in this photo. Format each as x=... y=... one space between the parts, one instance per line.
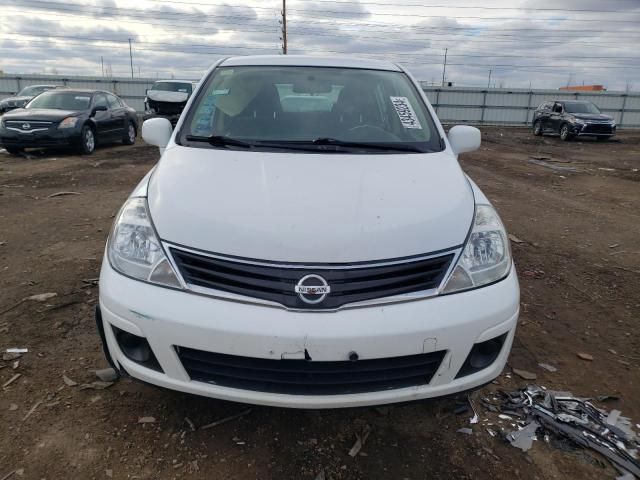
x=147 y=420
x=17 y=350
x=585 y=356
x=361 y=438
x=515 y=239
x=523 y=438
x=107 y=375
x=524 y=374
x=466 y=431
x=11 y=380
x=562 y=415
x=42 y=297
x=226 y=419
x=60 y=194
x=547 y=367
x=97 y=385
x=68 y=381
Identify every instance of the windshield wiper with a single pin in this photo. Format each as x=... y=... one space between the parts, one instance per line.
x=220 y=141
x=365 y=145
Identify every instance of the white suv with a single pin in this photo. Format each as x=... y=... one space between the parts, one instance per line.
x=308 y=240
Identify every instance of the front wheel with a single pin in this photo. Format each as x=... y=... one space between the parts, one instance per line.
x=88 y=142
x=565 y=134
x=14 y=150
x=129 y=134
x=537 y=128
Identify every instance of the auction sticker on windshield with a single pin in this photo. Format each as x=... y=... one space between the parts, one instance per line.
x=405 y=112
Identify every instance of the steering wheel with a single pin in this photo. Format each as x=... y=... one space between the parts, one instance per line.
x=371 y=133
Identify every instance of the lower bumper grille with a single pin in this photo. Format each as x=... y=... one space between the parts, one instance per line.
x=302 y=377
x=598 y=128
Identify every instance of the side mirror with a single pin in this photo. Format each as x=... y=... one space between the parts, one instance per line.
x=157 y=131
x=464 y=138
x=99 y=108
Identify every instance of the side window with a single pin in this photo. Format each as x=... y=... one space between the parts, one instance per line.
x=557 y=108
x=113 y=101
x=100 y=101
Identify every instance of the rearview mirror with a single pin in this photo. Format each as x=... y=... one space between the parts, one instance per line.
x=464 y=138
x=98 y=108
x=157 y=131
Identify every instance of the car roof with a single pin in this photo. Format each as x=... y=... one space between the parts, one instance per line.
x=81 y=90
x=310 y=61
x=174 y=81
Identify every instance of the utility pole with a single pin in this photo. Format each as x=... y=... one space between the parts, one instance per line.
x=102 y=64
x=131 y=58
x=444 y=66
x=284 y=27
x=489 y=82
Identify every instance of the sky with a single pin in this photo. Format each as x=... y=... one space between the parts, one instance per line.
x=501 y=43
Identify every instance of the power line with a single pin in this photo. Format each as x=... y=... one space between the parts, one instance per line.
x=182 y=46
x=464 y=6
x=323 y=13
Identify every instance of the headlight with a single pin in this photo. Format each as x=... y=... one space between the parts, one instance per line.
x=486 y=257
x=134 y=249
x=68 y=122
x=579 y=121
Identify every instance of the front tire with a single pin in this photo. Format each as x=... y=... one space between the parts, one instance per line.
x=14 y=150
x=565 y=133
x=88 y=140
x=537 y=128
x=130 y=134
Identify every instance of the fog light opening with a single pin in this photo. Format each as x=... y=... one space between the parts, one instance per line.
x=482 y=355
x=136 y=349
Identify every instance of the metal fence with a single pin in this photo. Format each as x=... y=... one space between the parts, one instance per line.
x=506 y=106
x=512 y=106
x=131 y=90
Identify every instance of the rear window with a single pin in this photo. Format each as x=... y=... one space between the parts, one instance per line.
x=303 y=104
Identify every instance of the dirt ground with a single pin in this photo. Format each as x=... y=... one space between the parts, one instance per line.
x=578 y=220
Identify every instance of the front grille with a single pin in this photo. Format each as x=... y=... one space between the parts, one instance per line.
x=32 y=125
x=348 y=283
x=306 y=377
x=166 y=108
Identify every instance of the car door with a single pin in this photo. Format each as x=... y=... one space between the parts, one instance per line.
x=555 y=119
x=118 y=115
x=102 y=118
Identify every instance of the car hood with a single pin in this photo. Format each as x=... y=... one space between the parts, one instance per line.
x=315 y=208
x=164 y=96
x=16 y=99
x=591 y=116
x=41 y=114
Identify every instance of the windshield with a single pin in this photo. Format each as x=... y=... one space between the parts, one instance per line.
x=61 y=101
x=32 y=91
x=172 y=87
x=581 y=107
x=269 y=105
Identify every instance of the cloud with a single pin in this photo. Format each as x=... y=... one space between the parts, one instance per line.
x=543 y=47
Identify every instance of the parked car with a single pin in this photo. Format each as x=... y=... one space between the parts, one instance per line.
x=304 y=256
x=571 y=118
x=168 y=98
x=79 y=118
x=23 y=97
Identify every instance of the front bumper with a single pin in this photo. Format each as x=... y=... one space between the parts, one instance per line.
x=167 y=318
x=594 y=130
x=52 y=137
